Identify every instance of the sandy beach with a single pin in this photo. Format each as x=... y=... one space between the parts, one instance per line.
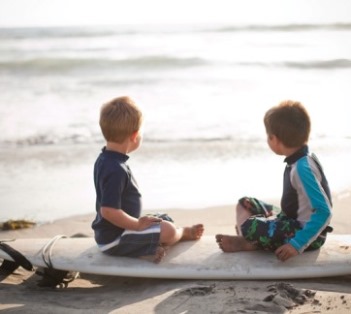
x=105 y=294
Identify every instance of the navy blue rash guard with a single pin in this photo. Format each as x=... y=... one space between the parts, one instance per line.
x=306 y=197
x=116 y=188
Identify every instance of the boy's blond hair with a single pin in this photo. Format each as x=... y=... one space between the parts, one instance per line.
x=120 y=118
x=289 y=122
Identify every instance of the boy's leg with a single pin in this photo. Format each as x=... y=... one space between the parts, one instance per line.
x=269 y=234
x=242 y=214
x=131 y=243
x=152 y=245
x=260 y=233
x=170 y=234
x=250 y=206
x=234 y=243
x=256 y=206
x=246 y=208
x=251 y=229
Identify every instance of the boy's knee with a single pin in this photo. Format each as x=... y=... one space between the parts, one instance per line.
x=168 y=231
x=239 y=207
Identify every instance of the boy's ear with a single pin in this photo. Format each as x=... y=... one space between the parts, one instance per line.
x=271 y=137
x=134 y=136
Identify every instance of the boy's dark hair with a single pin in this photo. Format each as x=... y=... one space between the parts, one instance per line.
x=119 y=118
x=289 y=122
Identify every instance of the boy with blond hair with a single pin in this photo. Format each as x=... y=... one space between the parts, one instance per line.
x=119 y=228
x=306 y=202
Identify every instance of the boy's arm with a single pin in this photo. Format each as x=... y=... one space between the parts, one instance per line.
x=321 y=215
x=304 y=237
x=120 y=218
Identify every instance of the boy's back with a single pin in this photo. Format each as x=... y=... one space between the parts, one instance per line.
x=115 y=186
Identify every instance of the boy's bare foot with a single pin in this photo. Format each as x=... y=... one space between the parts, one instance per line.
x=234 y=243
x=160 y=254
x=192 y=233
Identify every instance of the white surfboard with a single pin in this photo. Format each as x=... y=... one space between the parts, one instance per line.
x=200 y=259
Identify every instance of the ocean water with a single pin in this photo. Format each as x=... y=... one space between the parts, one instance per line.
x=203 y=89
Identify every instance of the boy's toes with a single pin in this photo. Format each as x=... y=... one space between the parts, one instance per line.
x=160 y=254
x=192 y=233
x=219 y=238
x=197 y=231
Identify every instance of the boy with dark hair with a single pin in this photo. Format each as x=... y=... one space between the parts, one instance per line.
x=306 y=202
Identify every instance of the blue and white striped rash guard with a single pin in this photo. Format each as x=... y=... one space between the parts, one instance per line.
x=306 y=197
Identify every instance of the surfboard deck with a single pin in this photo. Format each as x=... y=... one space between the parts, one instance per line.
x=200 y=259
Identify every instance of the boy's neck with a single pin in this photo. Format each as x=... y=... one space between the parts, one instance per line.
x=117 y=147
x=290 y=151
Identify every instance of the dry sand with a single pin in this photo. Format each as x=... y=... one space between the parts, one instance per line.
x=19 y=292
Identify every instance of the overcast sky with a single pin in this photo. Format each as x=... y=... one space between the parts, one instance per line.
x=105 y=12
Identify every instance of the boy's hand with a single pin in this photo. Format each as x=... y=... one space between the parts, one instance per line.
x=147 y=221
x=285 y=251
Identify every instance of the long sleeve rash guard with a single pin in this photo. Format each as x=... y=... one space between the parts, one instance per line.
x=306 y=197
